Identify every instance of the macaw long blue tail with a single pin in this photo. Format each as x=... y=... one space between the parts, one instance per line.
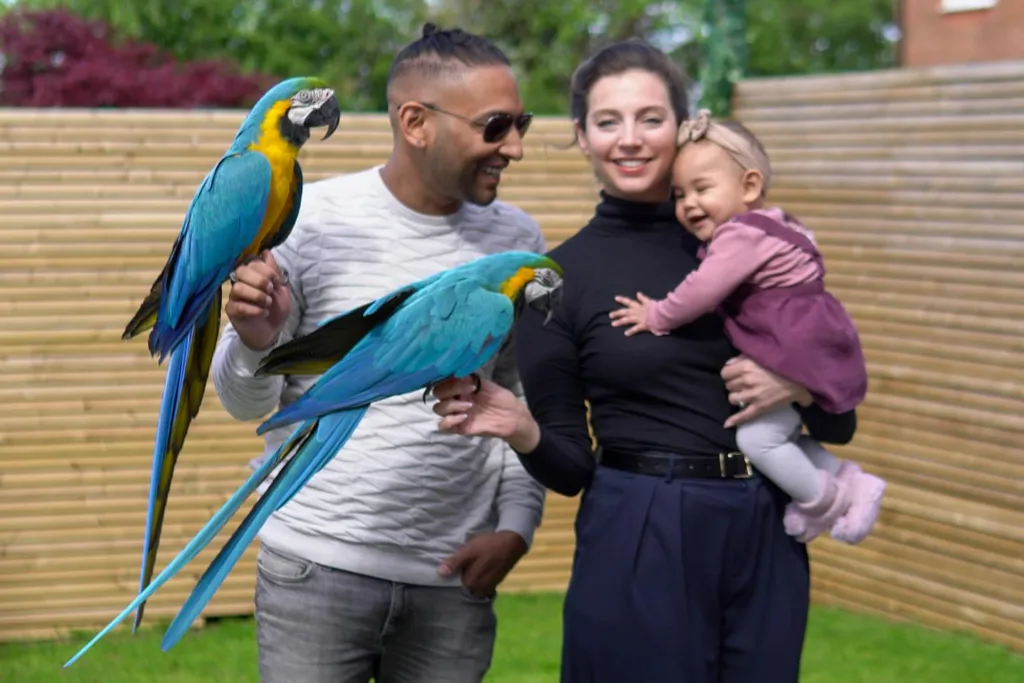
x=163 y=467
x=184 y=387
x=329 y=435
x=203 y=538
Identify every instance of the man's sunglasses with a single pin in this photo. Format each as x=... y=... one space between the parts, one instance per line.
x=495 y=126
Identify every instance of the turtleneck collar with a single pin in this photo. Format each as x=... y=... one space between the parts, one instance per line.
x=615 y=214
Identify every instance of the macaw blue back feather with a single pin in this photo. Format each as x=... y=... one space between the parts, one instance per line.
x=222 y=221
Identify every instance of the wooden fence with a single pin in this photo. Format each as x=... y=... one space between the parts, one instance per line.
x=90 y=202
x=913 y=182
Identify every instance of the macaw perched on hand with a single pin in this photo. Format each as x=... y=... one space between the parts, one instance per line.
x=447 y=325
x=245 y=205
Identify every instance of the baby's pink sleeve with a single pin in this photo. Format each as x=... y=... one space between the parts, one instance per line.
x=735 y=253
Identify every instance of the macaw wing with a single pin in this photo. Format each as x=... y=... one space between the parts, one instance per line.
x=222 y=222
x=316 y=352
x=441 y=332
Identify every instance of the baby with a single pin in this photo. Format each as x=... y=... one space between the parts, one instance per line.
x=761 y=270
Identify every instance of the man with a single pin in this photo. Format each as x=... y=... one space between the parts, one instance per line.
x=386 y=563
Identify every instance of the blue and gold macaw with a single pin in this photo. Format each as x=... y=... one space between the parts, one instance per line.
x=447 y=325
x=245 y=205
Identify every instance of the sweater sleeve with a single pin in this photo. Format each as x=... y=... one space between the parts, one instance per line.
x=829 y=427
x=547 y=357
x=243 y=396
x=735 y=253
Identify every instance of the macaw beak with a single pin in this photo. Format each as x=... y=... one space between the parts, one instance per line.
x=543 y=297
x=327 y=113
x=547 y=303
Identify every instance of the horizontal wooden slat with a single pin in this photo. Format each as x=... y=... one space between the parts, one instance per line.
x=911 y=182
x=958 y=78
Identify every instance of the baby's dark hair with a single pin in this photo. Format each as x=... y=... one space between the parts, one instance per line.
x=440 y=51
x=625 y=56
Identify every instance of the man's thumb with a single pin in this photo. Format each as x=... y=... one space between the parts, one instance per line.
x=456 y=561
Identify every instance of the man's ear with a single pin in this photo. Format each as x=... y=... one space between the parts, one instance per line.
x=414 y=124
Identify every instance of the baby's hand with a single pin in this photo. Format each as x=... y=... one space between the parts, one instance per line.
x=634 y=314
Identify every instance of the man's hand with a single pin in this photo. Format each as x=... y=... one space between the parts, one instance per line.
x=259 y=302
x=485 y=560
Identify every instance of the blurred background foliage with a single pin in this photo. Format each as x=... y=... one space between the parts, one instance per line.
x=352 y=42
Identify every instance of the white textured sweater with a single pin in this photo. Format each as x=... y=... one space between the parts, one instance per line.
x=400 y=496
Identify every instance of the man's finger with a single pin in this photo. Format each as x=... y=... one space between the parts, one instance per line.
x=257 y=276
x=240 y=310
x=245 y=293
x=473 y=576
x=457 y=560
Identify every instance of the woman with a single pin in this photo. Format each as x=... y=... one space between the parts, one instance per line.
x=683 y=571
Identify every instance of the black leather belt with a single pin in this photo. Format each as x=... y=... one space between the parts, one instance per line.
x=732 y=465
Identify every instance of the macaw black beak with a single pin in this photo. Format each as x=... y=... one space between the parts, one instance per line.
x=547 y=303
x=327 y=114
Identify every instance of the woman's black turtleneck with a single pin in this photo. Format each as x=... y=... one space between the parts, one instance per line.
x=646 y=392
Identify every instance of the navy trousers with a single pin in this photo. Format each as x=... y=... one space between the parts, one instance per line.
x=684 y=581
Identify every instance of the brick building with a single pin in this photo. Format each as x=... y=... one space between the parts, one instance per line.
x=957 y=31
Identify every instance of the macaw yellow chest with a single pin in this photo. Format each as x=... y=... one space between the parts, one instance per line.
x=282 y=156
x=279 y=201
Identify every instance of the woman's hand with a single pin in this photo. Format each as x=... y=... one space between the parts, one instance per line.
x=757 y=391
x=492 y=411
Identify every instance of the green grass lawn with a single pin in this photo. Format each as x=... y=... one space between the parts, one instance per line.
x=841 y=648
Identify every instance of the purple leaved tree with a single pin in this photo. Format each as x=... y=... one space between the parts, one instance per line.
x=57 y=59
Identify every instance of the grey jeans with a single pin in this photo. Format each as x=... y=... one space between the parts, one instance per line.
x=321 y=625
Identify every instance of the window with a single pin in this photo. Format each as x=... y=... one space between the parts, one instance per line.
x=949 y=6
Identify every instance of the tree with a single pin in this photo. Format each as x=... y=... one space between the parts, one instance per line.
x=351 y=43
x=787 y=37
x=724 y=56
x=715 y=41
x=348 y=43
x=546 y=41
x=56 y=59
